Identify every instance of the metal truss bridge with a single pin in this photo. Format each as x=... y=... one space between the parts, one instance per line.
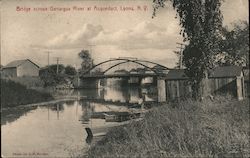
x=145 y=71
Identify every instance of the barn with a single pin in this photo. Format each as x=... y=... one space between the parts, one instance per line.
x=20 y=68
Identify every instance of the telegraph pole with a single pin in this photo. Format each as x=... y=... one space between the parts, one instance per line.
x=57 y=64
x=48 y=56
x=181 y=47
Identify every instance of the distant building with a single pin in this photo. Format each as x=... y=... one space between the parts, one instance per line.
x=20 y=68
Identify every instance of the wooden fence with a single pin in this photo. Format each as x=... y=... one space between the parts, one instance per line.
x=181 y=88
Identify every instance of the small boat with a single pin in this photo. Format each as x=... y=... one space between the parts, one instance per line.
x=90 y=135
x=117 y=116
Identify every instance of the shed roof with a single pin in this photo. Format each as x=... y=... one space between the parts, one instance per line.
x=17 y=63
x=176 y=74
x=226 y=71
x=218 y=72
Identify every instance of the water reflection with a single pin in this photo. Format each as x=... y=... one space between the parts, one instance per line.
x=127 y=94
x=52 y=129
x=7 y=116
x=60 y=128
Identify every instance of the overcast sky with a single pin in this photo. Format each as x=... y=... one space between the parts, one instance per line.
x=30 y=34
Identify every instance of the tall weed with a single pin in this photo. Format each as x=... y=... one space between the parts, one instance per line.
x=211 y=128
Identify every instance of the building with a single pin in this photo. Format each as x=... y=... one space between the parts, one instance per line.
x=20 y=68
x=221 y=80
x=177 y=85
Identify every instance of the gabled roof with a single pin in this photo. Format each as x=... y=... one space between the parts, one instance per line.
x=176 y=74
x=226 y=71
x=17 y=63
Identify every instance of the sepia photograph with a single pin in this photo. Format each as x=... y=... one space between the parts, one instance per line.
x=124 y=78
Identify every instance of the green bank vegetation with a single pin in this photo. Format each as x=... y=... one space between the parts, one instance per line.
x=13 y=94
x=215 y=128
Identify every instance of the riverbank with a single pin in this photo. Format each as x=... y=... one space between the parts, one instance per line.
x=187 y=129
x=14 y=94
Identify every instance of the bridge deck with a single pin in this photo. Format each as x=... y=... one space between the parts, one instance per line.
x=122 y=75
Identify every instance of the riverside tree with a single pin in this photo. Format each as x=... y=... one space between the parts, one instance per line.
x=235 y=45
x=70 y=70
x=87 y=61
x=201 y=22
x=49 y=76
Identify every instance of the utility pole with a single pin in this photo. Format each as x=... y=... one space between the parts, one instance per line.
x=48 y=56
x=57 y=64
x=91 y=47
x=181 y=47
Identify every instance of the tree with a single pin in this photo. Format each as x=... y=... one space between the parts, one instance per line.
x=87 y=61
x=201 y=22
x=70 y=70
x=234 y=45
x=50 y=77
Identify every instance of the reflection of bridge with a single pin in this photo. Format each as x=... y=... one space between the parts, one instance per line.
x=92 y=77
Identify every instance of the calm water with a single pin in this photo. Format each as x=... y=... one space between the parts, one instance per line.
x=58 y=130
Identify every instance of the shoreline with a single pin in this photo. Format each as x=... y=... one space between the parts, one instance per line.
x=53 y=101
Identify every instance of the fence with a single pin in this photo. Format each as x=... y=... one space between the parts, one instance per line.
x=222 y=81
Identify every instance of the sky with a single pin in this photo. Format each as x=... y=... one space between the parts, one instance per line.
x=28 y=30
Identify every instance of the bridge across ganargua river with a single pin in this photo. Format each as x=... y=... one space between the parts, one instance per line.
x=132 y=70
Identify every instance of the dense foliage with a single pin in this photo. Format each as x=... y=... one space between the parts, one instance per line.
x=87 y=61
x=50 y=77
x=234 y=45
x=70 y=70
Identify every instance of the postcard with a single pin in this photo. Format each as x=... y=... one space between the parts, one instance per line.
x=124 y=78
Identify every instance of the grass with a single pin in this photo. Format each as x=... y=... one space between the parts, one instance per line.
x=218 y=128
x=13 y=94
x=29 y=81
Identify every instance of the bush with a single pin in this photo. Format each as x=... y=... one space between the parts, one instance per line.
x=189 y=129
x=13 y=94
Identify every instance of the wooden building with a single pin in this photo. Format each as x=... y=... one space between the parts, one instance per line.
x=20 y=68
x=222 y=81
x=177 y=85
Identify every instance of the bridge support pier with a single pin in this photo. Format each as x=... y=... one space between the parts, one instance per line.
x=87 y=83
x=134 y=80
x=161 y=87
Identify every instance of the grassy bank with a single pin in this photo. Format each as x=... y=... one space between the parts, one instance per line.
x=188 y=129
x=13 y=94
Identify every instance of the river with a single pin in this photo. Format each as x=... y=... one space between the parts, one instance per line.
x=58 y=130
